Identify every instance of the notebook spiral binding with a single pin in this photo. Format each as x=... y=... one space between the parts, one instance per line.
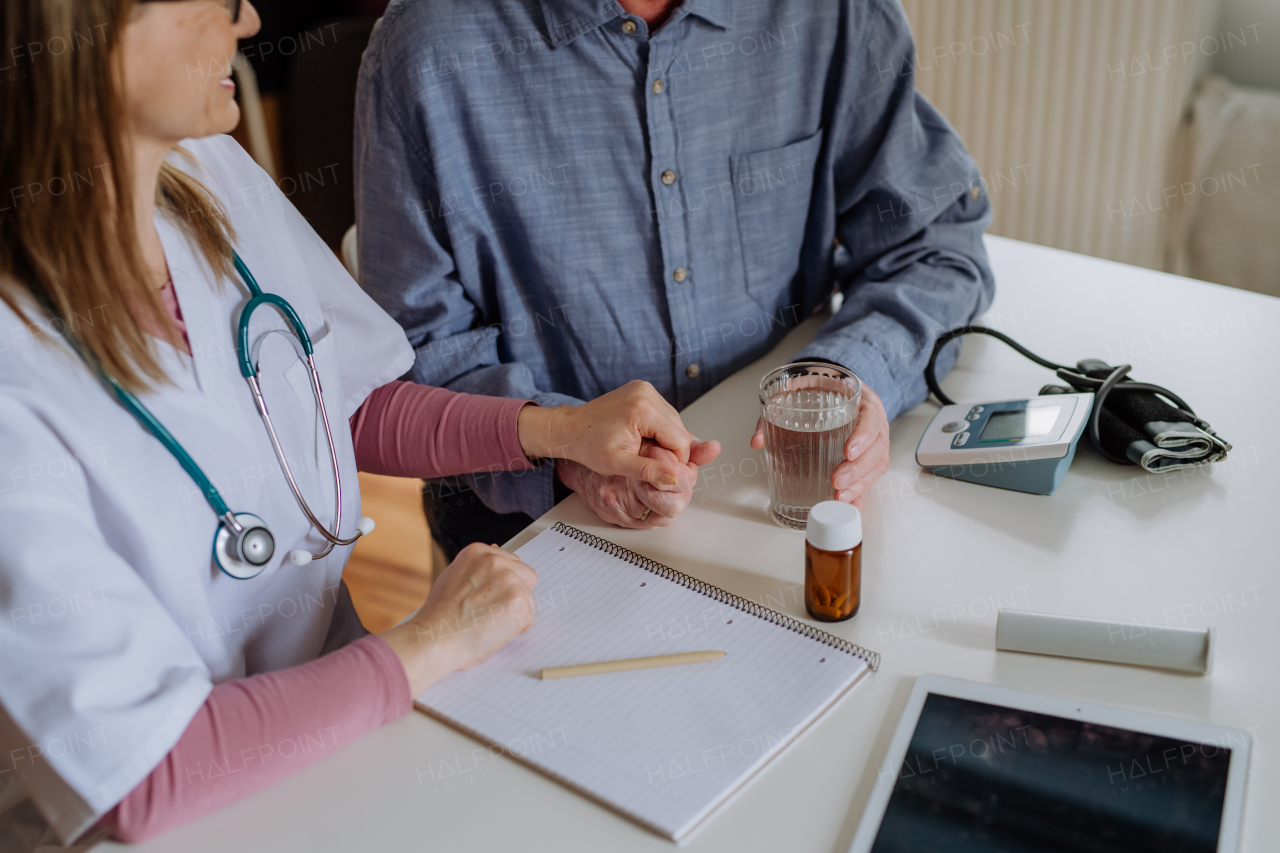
x=717 y=594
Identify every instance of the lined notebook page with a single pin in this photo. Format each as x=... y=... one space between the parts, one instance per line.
x=666 y=746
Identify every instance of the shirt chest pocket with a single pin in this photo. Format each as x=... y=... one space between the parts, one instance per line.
x=773 y=191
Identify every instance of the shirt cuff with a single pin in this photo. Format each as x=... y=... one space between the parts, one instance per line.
x=869 y=365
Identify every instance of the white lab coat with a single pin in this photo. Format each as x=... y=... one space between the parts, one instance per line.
x=114 y=622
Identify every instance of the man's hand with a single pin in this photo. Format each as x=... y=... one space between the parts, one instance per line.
x=866 y=453
x=623 y=500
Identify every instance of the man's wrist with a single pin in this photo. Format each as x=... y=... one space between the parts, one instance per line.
x=567 y=472
x=821 y=360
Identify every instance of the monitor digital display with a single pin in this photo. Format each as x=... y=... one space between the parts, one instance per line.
x=981 y=777
x=1014 y=424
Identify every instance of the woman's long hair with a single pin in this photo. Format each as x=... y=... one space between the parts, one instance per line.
x=68 y=237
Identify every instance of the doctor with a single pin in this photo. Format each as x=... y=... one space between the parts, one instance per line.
x=142 y=682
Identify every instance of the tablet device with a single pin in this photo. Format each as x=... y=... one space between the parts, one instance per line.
x=974 y=767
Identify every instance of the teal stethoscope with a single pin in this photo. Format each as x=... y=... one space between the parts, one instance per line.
x=242 y=545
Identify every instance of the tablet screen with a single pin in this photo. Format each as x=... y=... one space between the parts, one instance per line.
x=983 y=777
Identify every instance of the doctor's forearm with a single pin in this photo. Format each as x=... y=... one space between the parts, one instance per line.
x=410 y=430
x=273 y=725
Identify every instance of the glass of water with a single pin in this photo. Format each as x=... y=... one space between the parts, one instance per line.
x=810 y=410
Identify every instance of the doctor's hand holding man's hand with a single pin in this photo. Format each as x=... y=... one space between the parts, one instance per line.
x=626 y=452
x=866 y=453
x=478 y=604
x=634 y=503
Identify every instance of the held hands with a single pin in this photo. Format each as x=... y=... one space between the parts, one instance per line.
x=625 y=452
x=608 y=434
x=477 y=605
x=866 y=453
x=624 y=500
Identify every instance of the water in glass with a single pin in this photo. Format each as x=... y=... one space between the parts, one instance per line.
x=807 y=420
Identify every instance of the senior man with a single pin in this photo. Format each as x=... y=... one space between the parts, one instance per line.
x=556 y=197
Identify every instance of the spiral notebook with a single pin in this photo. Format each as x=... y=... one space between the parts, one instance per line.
x=666 y=747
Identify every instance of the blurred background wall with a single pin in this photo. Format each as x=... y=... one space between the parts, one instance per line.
x=1068 y=106
x=1115 y=129
x=1252 y=67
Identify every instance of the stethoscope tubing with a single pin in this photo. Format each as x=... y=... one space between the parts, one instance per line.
x=261 y=403
x=152 y=424
x=248 y=369
x=258 y=298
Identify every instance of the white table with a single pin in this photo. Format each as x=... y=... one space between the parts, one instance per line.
x=940 y=557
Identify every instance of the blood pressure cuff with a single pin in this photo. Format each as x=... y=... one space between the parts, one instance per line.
x=1141 y=427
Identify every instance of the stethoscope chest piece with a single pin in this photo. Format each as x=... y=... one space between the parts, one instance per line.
x=244 y=554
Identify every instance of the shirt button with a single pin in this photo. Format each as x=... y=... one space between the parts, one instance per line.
x=658 y=86
x=628 y=27
x=681 y=274
x=692 y=371
x=668 y=177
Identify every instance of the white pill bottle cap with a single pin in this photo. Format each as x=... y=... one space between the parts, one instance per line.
x=834 y=526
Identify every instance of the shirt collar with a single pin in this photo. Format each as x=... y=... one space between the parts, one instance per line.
x=568 y=19
x=717 y=12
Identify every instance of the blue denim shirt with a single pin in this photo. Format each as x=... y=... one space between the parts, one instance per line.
x=552 y=200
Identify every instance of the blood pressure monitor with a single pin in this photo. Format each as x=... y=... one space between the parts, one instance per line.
x=1025 y=445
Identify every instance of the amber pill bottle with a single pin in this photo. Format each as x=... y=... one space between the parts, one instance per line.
x=833 y=561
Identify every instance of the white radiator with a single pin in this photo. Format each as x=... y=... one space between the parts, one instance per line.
x=1070 y=108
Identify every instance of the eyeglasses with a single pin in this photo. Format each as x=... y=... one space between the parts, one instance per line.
x=233 y=7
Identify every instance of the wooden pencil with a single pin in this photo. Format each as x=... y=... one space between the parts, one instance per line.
x=630 y=663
